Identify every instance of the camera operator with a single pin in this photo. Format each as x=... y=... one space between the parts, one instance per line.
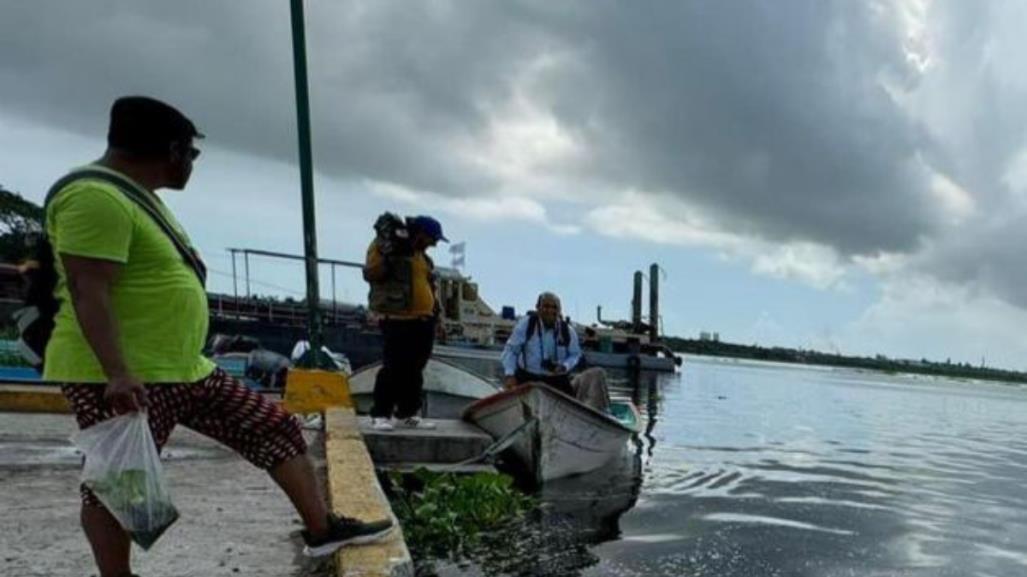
x=542 y=348
x=402 y=283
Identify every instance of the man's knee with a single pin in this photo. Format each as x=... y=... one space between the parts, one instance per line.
x=284 y=443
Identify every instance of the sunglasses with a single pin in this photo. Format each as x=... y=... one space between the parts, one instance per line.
x=192 y=153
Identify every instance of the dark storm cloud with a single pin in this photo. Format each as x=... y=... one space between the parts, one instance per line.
x=769 y=114
x=974 y=103
x=771 y=117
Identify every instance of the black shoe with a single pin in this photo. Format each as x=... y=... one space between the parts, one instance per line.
x=344 y=531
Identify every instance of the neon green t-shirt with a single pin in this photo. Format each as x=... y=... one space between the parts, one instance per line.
x=159 y=304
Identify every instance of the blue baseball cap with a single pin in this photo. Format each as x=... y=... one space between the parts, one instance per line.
x=430 y=227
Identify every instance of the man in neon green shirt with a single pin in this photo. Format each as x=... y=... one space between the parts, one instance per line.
x=133 y=318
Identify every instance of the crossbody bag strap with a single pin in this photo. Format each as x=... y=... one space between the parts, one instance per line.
x=141 y=198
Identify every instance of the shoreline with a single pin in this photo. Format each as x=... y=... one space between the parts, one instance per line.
x=854 y=369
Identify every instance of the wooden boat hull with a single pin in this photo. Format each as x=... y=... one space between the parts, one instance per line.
x=624 y=361
x=448 y=389
x=563 y=437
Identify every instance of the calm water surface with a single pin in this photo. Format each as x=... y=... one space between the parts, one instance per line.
x=763 y=469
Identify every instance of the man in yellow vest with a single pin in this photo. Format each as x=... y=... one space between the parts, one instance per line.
x=402 y=283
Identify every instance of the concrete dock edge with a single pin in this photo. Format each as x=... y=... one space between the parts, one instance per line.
x=354 y=491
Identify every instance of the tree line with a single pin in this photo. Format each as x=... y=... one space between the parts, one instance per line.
x=21 y=221
x=875 y=363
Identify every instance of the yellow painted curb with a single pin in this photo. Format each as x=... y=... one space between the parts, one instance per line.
x=32 y=399
x=311 y=391
x=305 y=392
x=354 y=492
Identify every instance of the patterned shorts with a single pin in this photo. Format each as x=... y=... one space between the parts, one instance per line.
x=219 y=407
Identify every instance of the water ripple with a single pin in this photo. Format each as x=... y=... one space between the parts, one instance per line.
x=756 y=469
x=773 y=521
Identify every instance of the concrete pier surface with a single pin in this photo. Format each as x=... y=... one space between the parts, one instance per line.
x=451 y=441
x=234 y=520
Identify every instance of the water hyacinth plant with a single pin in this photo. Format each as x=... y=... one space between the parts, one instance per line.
x=446 y=515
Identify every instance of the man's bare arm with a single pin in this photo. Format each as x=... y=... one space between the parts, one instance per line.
x=90 y=282
x=375 y=268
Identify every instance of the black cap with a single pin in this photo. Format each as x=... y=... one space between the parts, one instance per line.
x=147 y=126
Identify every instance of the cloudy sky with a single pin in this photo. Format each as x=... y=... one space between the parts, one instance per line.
x=840 y=175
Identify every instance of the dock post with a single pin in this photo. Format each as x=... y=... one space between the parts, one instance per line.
x=636 y=304
x=299 y=52
x=654 y=303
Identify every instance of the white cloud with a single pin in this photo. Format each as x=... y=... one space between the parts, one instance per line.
x=523 y=143
x=396 y=192
x=812 y=264
x=913 y=18
x=664 y=221
x=882 y=264
x=668 y=221
x=479 y=208
x=918 y=317
x=956 y=203
x=491 y=209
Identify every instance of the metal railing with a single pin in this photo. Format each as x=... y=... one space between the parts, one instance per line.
x=281 y=312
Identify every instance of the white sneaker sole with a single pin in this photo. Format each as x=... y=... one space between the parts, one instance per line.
x=329 y=548
x=424 y=426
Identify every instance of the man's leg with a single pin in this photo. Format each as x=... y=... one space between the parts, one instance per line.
x=419 y=341
x=324 y=533
x=561 y=383
x=387 y=380
x=111 y=545
x=524 y=376
x=590 y=388
x=297 y=478
x=270 y=438
x=264 y=434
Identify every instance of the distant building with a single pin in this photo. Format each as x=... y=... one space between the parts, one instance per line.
x=712 y=337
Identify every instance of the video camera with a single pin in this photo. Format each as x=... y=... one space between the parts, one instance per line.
x=393 y=234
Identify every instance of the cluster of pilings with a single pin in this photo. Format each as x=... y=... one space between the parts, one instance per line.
x=654 y=303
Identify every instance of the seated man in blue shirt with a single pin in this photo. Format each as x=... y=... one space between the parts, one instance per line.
x=542 y=348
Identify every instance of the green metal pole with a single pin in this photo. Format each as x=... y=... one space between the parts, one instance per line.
x=299 y=52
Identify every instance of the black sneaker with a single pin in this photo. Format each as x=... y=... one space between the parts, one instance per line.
x=344 y=531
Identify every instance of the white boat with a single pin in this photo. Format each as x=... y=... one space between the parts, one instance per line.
x=448 y=389
x=662 y=362
x=588 y=507
x=553 y=435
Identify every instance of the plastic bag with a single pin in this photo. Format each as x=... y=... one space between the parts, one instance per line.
x=124 y=470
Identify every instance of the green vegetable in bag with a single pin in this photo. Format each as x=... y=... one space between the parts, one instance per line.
x=125 y=492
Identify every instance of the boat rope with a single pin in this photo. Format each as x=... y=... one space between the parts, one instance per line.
x=500 y=445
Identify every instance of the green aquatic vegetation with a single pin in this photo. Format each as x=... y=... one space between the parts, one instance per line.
x=129 y=495
x=446 y=515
